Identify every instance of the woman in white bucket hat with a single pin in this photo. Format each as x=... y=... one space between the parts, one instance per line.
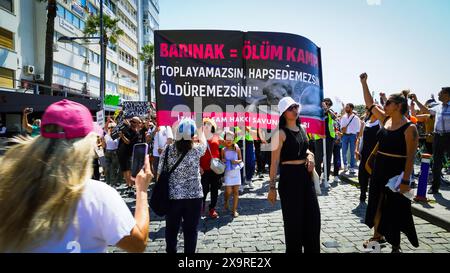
x=299 y=205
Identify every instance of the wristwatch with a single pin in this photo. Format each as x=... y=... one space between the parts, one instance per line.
x=405 y=182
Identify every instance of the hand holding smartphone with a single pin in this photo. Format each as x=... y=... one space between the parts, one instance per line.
x=138 y=159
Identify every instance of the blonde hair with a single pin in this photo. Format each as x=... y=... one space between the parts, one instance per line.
x=41 y=182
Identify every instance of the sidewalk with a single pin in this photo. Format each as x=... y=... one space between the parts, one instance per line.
x=436 y=210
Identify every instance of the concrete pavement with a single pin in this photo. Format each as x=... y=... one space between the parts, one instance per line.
x=259 y=228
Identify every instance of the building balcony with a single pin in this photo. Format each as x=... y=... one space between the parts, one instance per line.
x=128 y=67
x=126 y=13
x=127 y=49
x=128 y=84
x=127 y=30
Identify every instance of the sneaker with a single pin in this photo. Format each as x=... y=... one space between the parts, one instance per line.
x=261 y=175
x=345 y=168
x=241 y=189
x=325 y=184
x=250 y=184
x=352 y=171
x=336 y=179
x=213 y=213
x=235 y=214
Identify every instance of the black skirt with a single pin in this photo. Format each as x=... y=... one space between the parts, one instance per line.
x=396 y=215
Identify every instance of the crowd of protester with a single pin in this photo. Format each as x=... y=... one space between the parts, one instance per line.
x=59 y=199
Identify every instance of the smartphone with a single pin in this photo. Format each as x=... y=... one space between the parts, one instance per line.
x=137 y=162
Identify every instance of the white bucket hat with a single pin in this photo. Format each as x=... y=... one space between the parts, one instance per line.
x=285 y=103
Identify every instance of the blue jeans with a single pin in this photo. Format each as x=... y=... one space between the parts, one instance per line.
x=349 y=140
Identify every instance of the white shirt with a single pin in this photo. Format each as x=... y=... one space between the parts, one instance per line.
x=160 y=141
x=442 y=118
x=354 y=126
x=111 y=144
x=103 y=219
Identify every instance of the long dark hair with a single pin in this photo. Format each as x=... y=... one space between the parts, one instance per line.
x=282 y=122
x=402 y=99
x=183 y=146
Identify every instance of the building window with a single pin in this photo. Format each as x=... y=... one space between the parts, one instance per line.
x=6 y=78
x=111 y=6
x=6 y=39
x=92 y=9
x=7 y=4
x=69 y=72
x=94 y=57
x=60 y=11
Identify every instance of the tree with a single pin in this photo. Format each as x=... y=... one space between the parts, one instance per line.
x=49 y=34
x=147 y=56
x=111 y=32
x=360 y=109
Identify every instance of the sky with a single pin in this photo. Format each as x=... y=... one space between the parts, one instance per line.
x=401 y=44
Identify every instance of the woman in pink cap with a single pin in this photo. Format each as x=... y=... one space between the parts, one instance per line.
x=48 y=201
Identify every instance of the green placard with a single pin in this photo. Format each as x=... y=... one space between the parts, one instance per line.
x=112 y=100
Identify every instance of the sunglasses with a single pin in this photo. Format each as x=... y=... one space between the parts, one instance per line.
x=292 y=107
x=388 y=102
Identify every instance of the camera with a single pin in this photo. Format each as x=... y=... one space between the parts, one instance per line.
x=28 y=110
x=121 y=127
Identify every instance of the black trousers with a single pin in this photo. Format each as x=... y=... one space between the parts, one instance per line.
x=336 y=158
x=363 y=178
x=184 y=212
x=211 y=183
x=441 y=145
x=96 y=167
x=259 y=157
x=300 y=209
x=319 y=155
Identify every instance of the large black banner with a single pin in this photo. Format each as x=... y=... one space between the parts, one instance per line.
x=236 y=77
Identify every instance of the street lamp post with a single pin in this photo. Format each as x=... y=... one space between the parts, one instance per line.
x=102 y=60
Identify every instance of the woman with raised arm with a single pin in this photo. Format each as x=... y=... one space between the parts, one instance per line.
x=387 y=211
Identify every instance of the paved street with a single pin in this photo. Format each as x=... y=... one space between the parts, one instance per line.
x=259 y=228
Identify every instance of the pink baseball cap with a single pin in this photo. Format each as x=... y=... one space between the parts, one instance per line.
x=75 y=119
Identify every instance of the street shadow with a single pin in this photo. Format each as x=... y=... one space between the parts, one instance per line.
x=360 y=211
x=442 y=201
x=160 y=234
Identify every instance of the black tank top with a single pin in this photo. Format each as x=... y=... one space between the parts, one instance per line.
x=295 y=145
x=393 y=142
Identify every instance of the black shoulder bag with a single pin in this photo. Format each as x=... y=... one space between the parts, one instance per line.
x=159 y=201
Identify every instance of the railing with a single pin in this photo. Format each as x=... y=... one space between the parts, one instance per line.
x=30 y=87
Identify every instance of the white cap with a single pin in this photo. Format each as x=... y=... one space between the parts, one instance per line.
x=285 y=103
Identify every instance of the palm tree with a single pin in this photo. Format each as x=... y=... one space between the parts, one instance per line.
x=111 y=33
x=49 y=34
x=147 y=56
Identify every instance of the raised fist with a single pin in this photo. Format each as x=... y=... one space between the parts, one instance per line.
x=363 y=77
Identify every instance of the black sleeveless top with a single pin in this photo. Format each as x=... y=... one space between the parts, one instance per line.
x=393 y=142
x=295 y=145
